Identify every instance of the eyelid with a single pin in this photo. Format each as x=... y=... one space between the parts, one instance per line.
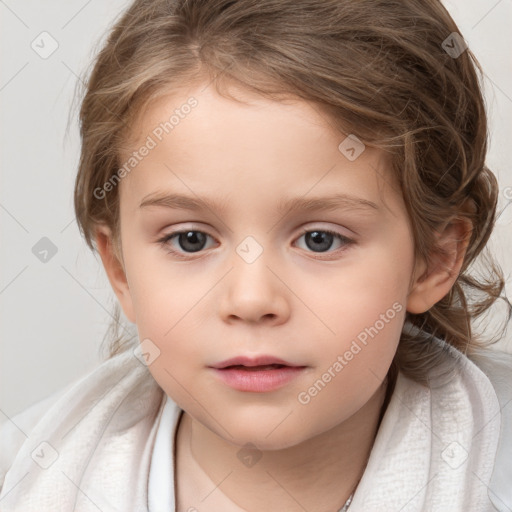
x=303 y=230
x=345 y=240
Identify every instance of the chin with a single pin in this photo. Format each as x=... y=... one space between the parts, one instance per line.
x=260 y=439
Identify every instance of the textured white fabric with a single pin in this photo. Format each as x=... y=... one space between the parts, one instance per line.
x=161 y=473
x=102 y=432
x=201 y=493
x=435 y=450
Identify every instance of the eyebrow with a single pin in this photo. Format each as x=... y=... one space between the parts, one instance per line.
x=327 y=203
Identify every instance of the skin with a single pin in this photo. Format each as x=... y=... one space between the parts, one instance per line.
x=294 y=301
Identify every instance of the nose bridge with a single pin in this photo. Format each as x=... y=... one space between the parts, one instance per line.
x=251 y=274
x=253 y=290
x=250 y=249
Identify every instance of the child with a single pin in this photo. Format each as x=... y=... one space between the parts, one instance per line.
x=267 y=374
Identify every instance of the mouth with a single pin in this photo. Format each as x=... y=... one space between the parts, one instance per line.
x=255 y=375
x=255 y=363
x=256 y=368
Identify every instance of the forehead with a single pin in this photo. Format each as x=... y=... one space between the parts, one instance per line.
x=242 y=112
x=202 y=140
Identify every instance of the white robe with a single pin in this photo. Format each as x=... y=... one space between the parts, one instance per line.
x=106 y=443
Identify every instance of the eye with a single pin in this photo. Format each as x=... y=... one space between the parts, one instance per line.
x=321 y=240
x=191 y=241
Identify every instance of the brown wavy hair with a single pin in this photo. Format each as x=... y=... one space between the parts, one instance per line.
x=375 y=68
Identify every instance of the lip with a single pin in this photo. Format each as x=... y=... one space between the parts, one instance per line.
x=254 y=380
x=258 y=381
x=252 y=361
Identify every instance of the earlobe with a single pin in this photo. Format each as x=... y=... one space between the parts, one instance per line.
x=115 y=271
x=433 y=281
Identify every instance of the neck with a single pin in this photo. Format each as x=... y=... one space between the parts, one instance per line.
x=296 y=478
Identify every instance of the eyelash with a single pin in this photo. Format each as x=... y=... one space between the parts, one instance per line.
x=164 y=241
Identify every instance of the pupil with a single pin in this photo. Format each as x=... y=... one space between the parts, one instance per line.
x=190 y=239
x=315 y=240
x=319 y=237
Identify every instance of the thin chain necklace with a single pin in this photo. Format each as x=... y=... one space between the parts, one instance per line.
x=389 y=390
x=347 y=504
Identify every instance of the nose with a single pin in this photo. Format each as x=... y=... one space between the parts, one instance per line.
x=254 y=293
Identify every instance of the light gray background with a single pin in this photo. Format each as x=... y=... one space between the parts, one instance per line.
x=54 y=315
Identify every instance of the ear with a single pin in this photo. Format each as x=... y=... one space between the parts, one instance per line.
x=111 y=256
x=432 y=281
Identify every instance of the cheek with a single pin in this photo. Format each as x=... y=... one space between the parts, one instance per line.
x=366 y=286
x=362 y=309
x=349 y=373
x=180 y=360
x=161 y=292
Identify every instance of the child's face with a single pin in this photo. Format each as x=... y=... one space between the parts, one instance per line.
x=255 y=285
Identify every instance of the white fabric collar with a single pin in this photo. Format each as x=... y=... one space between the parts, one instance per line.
x=435 y=448
x=104 y=429
x=434 y=451
x=161 y=473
